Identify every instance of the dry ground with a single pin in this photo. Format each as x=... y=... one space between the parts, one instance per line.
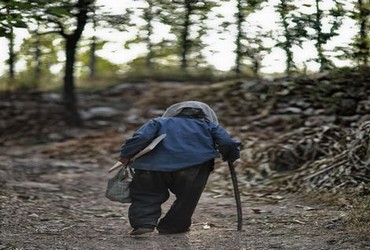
x=60 y=204
x=52 y=187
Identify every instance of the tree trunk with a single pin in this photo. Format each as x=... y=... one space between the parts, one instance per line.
x=92 y=58
x=37 y=73
x=320 y=55
x=11 y=60
x=148 y=15
x=364 y=31
x=256 y=66
x=238 y=50
x=288 y=41
x=70 y=101
x=185 y=43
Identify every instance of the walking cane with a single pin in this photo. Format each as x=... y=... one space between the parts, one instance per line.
x=237 y=195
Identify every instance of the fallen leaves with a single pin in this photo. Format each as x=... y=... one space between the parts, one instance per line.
x=299 y=133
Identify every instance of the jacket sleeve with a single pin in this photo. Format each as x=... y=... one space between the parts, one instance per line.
x=140 y=139
x=228 y=147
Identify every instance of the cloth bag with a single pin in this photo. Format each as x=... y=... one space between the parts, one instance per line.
x=118 y=188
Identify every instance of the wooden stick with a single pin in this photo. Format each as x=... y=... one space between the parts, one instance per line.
x=237 y=195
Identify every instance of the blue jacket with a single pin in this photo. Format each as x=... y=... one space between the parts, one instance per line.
x=189 y=142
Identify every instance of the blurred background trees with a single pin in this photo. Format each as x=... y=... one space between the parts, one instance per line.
x=174 y=40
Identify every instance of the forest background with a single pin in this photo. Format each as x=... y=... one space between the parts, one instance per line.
x=290 y=79
x=176 y=40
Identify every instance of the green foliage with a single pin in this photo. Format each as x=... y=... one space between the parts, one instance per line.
x=62 y=16
x=13 y=14
x=316 y=21
x=256 y=51
x=137 y=72
x=359 y=48
x=187 y=22
x=97 y=83
x=40 y=54
x=104 y=68
x=361 y=45
x=59 y=11
x=143 y=18
x=248 y=46
x=291 y=31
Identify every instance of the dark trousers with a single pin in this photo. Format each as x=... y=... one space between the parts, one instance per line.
x=149 y=189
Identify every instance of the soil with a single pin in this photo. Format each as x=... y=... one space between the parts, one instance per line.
x=52 y=197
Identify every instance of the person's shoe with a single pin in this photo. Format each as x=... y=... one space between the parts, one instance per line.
x=141 y=231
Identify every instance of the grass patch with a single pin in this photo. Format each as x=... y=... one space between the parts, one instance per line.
x=356 y=207
x=357 y=219
x=203 y=75
x=96 y=84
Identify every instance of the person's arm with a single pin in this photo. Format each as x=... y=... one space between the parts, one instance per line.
x=139 y=140
x=229 y=148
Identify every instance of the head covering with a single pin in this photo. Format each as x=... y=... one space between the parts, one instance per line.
x=176 y=109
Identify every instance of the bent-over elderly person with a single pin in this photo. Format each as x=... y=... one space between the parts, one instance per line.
x=180 y=163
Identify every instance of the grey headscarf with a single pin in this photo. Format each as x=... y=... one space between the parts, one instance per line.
x=176 y=108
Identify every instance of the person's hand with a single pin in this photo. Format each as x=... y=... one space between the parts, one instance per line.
x=125 y=161
x=235 y=162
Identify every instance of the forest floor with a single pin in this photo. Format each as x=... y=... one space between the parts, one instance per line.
x=52 y=193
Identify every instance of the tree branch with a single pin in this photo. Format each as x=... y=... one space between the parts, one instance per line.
x=61 y=31
x=47 y=32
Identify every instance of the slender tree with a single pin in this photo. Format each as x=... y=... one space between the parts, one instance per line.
x=149 y=14
x=40 y=53
x=319 y=36
x=187 y=19
x=256 y=51
x=71 y=41
x=185 y=42
x=358 y=49
x=292 y=32
x=287 y=44
x=99 y=20
x=93 y=45
x=331 y=19
x=240 y=18
x=143 y=18
x=244 y=9
x=68 y=18
x=362 y=41
x=13 y=14
x=11 y=59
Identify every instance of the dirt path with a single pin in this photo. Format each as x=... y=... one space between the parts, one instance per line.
x=52 y=196
x=57 y=204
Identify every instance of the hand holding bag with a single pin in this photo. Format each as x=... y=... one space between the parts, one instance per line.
x=118 y=188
